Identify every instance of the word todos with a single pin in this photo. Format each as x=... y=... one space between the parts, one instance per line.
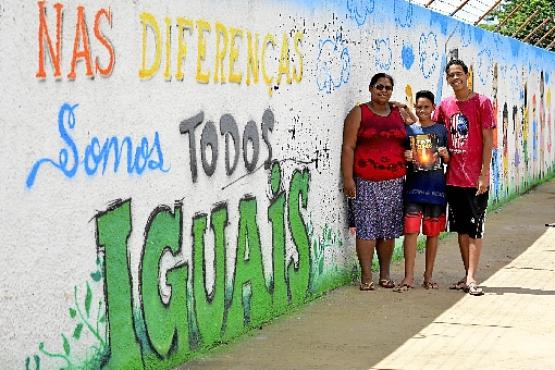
x=230 y=131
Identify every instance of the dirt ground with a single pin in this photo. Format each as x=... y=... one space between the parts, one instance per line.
x=349 y=329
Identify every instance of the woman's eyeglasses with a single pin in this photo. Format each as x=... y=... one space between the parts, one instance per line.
x=383 y=87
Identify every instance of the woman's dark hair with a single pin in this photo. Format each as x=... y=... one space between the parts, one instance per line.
x=377 y=76
x=426 y=94
x=457 y=62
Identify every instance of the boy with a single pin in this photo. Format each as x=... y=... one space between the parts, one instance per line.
x=469 y=119
x=424 y=190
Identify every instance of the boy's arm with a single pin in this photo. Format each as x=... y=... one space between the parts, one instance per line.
x=487 y=142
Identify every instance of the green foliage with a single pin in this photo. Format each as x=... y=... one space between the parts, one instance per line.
x=511 y=25
x=95 y=325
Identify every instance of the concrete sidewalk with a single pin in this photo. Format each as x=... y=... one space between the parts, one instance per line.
x=511 y=327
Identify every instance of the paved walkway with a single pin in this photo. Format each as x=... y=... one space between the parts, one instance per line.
x=511 y=327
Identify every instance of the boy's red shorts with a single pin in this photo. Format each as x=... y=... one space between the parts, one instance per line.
x=430 y=216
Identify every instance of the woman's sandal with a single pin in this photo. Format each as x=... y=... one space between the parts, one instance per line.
x=430 y=285
x=366 y=286
x=474 y=289
x=387 y=283
x=403 y=288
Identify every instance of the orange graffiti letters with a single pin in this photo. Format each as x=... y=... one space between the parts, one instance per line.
x=81 y=43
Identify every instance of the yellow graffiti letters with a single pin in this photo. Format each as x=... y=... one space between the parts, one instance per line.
x=148 y=21
x=235 y=54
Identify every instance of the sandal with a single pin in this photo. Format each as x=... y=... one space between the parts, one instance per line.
x=430 y=285
x=366 y=286
x=387 y=283
x=403 y=288
x=474 y=289
x=459 y=285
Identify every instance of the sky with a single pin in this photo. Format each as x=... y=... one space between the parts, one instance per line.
x=469 y=13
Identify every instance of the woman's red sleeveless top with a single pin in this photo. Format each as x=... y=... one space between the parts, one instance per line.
x=379 y=153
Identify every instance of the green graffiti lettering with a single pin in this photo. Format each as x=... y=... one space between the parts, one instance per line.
x=248 y=271
x=209 y=308
x=299 y=273
x=166 y=323
x=276 y=215
x=113 y=229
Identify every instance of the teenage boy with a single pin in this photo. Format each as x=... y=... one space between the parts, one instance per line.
x=424 y=189
x=469 y=120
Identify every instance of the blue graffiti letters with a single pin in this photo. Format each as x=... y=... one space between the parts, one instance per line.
x=96 y=154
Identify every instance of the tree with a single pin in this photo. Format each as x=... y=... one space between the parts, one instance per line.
x=530 y=22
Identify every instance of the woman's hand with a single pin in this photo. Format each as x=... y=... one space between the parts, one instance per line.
x=443 y=153
x=349 y=188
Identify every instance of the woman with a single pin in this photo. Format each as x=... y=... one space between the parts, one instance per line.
x=373 y=166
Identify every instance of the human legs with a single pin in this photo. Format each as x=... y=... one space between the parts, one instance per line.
x=365 y=252
x=466 y=217
x=409 y=249
x=385 y=252
x=433 y=224
x=474 y=252
x=463 y=248
x=431 y=252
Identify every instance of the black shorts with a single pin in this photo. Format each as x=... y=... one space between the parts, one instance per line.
x=467 y=211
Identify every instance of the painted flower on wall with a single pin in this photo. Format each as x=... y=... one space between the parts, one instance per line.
x=333 y=64
x=403 y=13
x=383 y=53
x=427 y=48
x=360 y=9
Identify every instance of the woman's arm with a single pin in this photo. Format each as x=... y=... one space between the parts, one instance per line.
x=350 y=132
x=406 y=113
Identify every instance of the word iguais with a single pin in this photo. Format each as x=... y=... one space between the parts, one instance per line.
x=81 y=44
x=233 y=303
x=226 y=50
x=95 y=156
x=230 y=131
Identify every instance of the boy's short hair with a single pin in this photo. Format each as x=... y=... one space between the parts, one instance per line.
x=457 y=62
x=426 y=94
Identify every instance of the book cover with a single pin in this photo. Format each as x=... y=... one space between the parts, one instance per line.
x=424 y=153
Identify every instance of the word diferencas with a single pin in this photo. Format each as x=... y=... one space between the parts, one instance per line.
x=231 y=307
x=227 y=41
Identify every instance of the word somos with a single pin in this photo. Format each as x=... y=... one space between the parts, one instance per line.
x=97 y=155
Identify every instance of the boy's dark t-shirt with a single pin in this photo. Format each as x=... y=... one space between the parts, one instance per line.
x=426 y=180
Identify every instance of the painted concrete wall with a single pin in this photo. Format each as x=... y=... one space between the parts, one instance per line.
x=171 y=173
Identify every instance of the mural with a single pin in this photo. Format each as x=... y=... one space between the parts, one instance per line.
x=176 y=166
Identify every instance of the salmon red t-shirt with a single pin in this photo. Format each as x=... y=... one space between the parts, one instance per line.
x=379 y=153
x=464 y=121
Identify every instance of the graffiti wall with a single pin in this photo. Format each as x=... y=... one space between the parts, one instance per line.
x=171 y=170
